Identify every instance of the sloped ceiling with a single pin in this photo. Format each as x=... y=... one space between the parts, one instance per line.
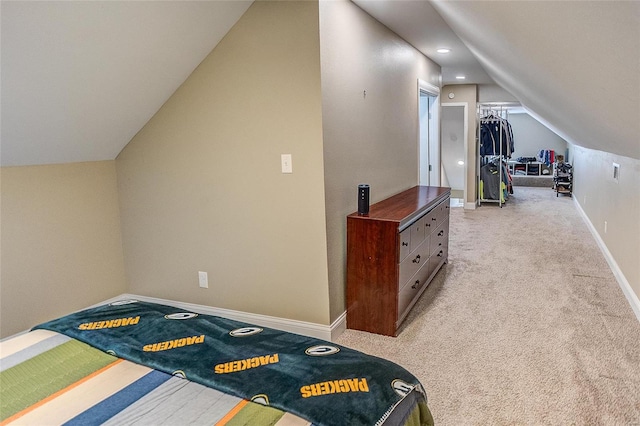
x=574 y=65
x=80 y=78
x=420 y=24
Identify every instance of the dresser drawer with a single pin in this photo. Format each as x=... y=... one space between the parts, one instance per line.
x=405 y=244
x=412 y=289
x=414 y=261
x=432 y=220
x=417 y=232
x=440 y=237
x=443 y=211
x=437 y=257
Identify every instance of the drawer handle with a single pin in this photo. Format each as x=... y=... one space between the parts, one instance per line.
x=417 y=283
x=433 y=218
x=440 y=234
x=417 y=259
x=440 y=254
x=405 y=244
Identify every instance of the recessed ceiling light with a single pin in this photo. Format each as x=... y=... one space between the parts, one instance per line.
x=443 y=50
x=460 y=77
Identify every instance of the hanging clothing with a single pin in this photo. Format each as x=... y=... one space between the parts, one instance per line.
x=491 y=186
x=496 y=144
x=547 y=156
x=496 y=136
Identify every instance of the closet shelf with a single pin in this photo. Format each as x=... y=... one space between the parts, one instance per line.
x=532 y=168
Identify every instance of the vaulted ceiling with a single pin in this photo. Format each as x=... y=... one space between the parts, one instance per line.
x=573 y=65
x=80 y=79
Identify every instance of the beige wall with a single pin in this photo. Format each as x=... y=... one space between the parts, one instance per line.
x=467 y=93
x=201 y=187
x=617 y=203
x=370 y=138
x=61 y=245
x=494 y=93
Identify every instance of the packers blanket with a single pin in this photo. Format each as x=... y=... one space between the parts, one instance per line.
x=47 y=378
x=326 y=384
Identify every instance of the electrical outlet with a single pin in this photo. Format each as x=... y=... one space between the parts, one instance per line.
x=203 y=280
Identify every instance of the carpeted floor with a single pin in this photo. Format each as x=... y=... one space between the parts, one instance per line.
x=525 y=325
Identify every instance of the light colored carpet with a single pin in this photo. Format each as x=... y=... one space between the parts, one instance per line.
x=525 y=325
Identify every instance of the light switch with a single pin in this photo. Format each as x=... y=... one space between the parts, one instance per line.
x=287 y=167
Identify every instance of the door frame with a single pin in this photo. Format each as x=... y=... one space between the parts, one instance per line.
x=430 y=156
x=465 y=108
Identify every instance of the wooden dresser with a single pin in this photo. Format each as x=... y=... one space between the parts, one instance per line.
x=392 y=255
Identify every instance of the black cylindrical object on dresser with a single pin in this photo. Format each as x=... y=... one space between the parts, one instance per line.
x=363 y=199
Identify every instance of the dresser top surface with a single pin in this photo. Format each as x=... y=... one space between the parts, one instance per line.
x=406 y=204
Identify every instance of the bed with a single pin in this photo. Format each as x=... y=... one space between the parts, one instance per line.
x=134 y=362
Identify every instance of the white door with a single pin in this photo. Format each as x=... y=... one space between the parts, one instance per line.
x=429 y=146
x=452 y=149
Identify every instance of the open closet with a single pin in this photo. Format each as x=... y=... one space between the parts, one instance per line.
x=496 y=145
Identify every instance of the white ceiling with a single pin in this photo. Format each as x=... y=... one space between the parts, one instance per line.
x=420 y=24
x=80 y=79
x=573 y=65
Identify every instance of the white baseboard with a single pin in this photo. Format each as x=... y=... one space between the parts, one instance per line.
x=319 y=331
x=338 y=326
x=469 y=206
x=325 y=332
x=631 y=296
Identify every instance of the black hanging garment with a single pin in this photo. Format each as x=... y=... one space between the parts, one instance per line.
x=496 y=136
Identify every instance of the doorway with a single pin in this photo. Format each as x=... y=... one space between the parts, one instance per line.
x=453 y=148
x=429 y=135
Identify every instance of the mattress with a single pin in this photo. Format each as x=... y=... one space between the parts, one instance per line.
x=133 y=362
